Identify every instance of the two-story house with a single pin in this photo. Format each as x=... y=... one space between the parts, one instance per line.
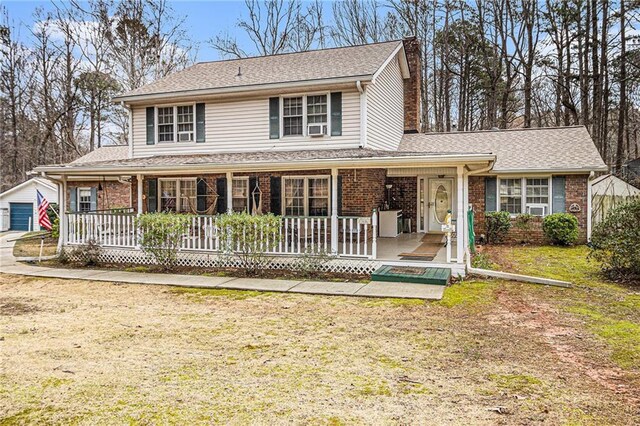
x=330 y=140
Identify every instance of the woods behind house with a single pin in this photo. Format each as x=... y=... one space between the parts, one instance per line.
x=486 y=64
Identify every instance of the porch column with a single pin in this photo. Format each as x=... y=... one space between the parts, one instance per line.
x=465 y=190
x=229 y=192
x=334 y=211
x=63 y=214
x=139 y=180
x=460 y=231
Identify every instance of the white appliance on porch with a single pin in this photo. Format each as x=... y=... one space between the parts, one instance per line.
x=390 y=223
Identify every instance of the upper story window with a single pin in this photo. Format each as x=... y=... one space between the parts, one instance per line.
x=175 y=123
x=292 y=116
x=165 y=124
x=317 y=110
x=300 y=111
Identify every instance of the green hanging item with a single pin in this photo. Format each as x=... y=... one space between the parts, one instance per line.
x=472 y=237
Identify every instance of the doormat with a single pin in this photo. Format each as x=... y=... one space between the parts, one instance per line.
x=428 y=250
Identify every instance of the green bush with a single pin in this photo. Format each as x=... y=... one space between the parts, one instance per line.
x=615 y=242
x=561 y=228
x=162 y=234
x=523 y=223
x=249 y=238
x=55 y=228
x=498 y=225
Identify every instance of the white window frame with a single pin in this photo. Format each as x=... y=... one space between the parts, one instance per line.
x=525 y=205
x=79 y=198
x=178 y=192
x=175 y=123
x=246 y=182
x=306 y=179
x=304 y=114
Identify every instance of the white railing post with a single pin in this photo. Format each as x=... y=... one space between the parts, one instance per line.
x=374 y=237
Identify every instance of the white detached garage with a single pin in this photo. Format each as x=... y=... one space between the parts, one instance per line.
x=19 y=205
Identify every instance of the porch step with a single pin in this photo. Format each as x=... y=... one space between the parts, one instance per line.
x=412 y=274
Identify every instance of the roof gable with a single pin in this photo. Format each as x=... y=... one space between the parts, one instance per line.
x=36 y=180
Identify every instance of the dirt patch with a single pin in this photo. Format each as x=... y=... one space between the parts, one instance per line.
x=29 y=245
x=11 y=307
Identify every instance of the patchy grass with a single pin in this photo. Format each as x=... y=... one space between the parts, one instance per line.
x=610 y=311
x=29 y=245
x=93 y=353
x=468 y=294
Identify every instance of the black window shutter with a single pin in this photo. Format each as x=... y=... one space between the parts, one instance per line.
x=274 y=118
x=73 y=199
x=276 y=203
x=221 y=189
x=490 y=194
x=559 y=198
x=201 y=188
x=336 y=114
x=339 y=195
x=200 y=125
x=152 y=196
x=253 y=182
x=151 y=127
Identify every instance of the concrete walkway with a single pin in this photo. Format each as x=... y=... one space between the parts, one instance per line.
x=9 y=265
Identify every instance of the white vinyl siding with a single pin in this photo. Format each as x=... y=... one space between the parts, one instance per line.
x=385 y=109
x=243 y=126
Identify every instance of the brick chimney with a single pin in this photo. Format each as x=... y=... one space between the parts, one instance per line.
x=413 y=86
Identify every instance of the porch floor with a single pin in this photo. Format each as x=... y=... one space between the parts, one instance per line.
x=390 y=248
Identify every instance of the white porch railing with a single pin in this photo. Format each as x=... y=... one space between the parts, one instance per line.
x=297 y=235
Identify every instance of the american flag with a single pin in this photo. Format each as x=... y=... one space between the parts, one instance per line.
x=43 y=217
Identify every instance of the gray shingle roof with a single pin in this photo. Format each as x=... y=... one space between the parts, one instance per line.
x=245 y=157
x=552 y=148
x=313 y=65
x=105 y=153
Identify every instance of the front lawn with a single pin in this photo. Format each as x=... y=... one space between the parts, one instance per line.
x=491 y=352
x=29 y=245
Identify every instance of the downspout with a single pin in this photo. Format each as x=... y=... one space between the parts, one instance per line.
x=363 y=114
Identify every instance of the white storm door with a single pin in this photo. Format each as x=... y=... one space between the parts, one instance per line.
x=440 y=202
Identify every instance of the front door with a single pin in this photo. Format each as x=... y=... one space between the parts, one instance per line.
x=440 y=202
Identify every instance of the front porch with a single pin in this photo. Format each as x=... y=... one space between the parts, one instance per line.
x=358 y=218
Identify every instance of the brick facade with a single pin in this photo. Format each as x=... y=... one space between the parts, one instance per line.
x=362 y=189
x=404 y=193
x=413 y=86
x=575 y=193
x=114 y=194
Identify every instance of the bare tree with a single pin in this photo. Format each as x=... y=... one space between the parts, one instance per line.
x=276 y=26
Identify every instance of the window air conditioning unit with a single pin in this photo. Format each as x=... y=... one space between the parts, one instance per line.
x=317 y=129
x=537 y=210
x=184 y=136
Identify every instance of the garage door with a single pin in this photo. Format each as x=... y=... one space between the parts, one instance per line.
x=19 y=216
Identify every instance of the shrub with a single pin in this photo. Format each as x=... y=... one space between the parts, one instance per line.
x=498 y=225
x=249 y=238
x=55 y=228
x=561 y=228
x=88 y=253
x=161 y=236
x=313 y=261
x=523 y=223
x=615 y=241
